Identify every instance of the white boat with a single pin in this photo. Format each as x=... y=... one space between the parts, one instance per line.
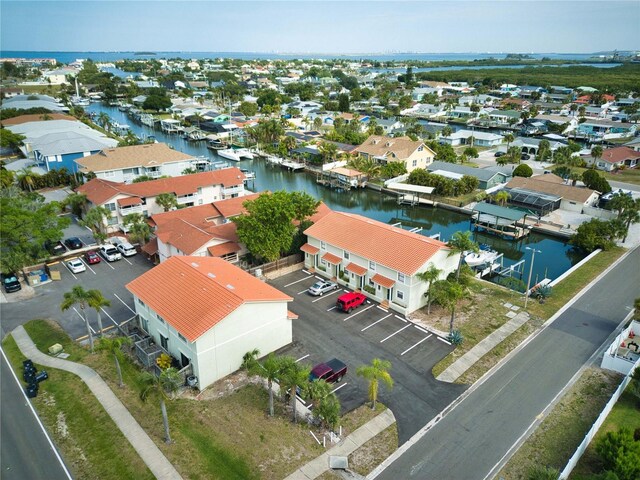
x=78 y=100
x=474 y=259
x=245 y=153
x=230 y=154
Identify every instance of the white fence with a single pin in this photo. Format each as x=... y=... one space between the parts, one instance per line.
x=599 y=213
x=573 y=461
x=332 y=165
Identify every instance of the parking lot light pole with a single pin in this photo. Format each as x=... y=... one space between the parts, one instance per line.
x=533 y=257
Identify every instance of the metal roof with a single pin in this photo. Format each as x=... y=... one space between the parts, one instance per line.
x=498 y=211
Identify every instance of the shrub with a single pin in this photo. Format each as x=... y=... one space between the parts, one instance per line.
x=369 y=289
x=620 y=454
x=523 y=170
x=456 y=337
x=163 y=361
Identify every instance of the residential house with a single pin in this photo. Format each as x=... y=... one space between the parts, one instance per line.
x=59 y=76
x=487 y=178
x=124 y=164
x=606 y=129
x=122 y=199
x=504 y=117
x=531 y=145
x=480 y=138
x=379 y=259
x=26 y=102
x=414 y=154
x=389 y=125
x=484 y=100
x=207 y=313
x=615 y=158
x=572 y=199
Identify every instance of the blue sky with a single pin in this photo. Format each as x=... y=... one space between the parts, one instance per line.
x=321 y=26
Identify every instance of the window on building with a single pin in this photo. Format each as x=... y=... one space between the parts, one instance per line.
x=400 y=277
x=110 y=206
x=399 y=295
x=420 y=148
x=112 y=221
x=346 y=255
x=414 y=163
x=372 y=265
x=109 y=174
x=182 y=338
x=141 y=303
x=164 y=342
x=323 y=246
x=160 y=319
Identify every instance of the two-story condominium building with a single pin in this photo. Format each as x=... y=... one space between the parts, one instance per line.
x=379 y=259
x=124 y=164
x=122 y=199
x=208 y=313
x=414 y=154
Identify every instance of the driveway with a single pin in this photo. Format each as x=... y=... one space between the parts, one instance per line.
x=322 y=332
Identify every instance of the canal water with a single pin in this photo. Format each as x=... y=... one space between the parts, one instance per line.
x=554 y=257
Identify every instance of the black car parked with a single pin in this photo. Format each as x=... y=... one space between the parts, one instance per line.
x=73 y=243
x=10 y=282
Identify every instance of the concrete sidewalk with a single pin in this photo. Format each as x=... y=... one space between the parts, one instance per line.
x=148 y=451
x=317 y=467
x=465 y=362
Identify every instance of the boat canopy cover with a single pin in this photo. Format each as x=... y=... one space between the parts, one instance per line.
x=498 y=211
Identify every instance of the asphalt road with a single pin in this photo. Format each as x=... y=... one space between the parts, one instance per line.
x=321 y=333
x=475 y=436
x=25 y=451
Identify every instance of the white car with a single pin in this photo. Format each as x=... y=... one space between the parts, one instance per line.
x=126 y=249
x=110 y=253
x=321 y=287
x=76 y=265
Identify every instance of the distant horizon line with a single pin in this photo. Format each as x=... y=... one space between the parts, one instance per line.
x=322 y=53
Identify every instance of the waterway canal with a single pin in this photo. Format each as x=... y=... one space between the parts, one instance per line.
x=555 y=255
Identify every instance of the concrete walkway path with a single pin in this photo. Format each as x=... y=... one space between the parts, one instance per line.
x=465 y=362
x=148 y=451
x=317 y=467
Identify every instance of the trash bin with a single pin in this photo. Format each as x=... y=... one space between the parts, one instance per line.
x=32 y=390
x=43 y=375
x=29 y=376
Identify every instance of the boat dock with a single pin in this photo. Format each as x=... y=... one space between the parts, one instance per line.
x=342 y=178
x=507 y=223
x=290 y=165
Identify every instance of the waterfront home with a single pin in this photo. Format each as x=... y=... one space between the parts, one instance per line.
x=424 y=110
x=388 y=125
x=605 y=129
x=467 y=137
x=487 y=178
x=570 y=122
x=503 y=117
x=26 y=102
x=196 y=189
x=559 y=194
x=124 y=164
x=383 y=149
x=378 y=259
x=531 y=145
x=615 y=158
x=419 y=92
x=483 y=99
x=207 y=313
x=57 y=143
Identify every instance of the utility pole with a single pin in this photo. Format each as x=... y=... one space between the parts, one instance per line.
x=533 y=257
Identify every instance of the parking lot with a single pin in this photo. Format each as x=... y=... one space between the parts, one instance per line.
x=322 y=332
x=109 y=278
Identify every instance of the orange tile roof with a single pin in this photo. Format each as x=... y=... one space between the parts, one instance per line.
x=193 y=294
x=197 y=215
x=390 y=246
x=357 y=269
x=151 y=247
x=310 y=249
x=331 y=258
x=321 y=212
x=223 y=249
x=384 y=281
x=291 y=315
x=128 y=201
x=619 y=154
x=233 y=206
x=188 y=237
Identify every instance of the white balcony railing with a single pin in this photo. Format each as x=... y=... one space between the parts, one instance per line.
x=124 y=211
x=186 y=199
x=232 y=191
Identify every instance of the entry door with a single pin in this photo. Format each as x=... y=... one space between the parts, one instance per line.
x=184 y=360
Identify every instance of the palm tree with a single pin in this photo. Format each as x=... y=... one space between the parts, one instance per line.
x=95 y=220
x=446 y=131
x=139 y=229
x=317 y=123
x=104 y=120
x=289 y=143
x=78 y=296
x=376 y=371
x=162 y=386
x=447 y=294
x=97 y=301
x=628 y=210
x=501 y=197
x=293 y=376
x=167 y=201
x=270 y=369
x=596 y=153
x=76 y=201
x=327 y=151
x=430 y=275
x=27 y=178
x=508 y=138
x=114 y=346
x=461 y=242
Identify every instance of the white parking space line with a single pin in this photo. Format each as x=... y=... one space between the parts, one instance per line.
x=383 y=309
x=124 y=303
x=110 y=317
x=88 y=266
x=336 y=389
x=421 y=329
x=125 y=259
x=302 y=358
x=303 y=291
x=332 y=308
x=307 y=272
x=400 y=318
x=325 y=296
x=416 y=344
x=358 y=313
x=109 y=265
x=297 y=281
x=374 y=323
x=394 y=333
x=443 y=340
x=82 y=318
x=319 y=278
x=72 y=274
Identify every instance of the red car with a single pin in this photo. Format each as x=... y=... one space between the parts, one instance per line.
x=91 y=258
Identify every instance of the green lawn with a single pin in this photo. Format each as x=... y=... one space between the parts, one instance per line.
x=230 y=437
x=628 y=175
x=89 y=441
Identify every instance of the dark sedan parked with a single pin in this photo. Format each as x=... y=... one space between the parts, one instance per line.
x=73 y=243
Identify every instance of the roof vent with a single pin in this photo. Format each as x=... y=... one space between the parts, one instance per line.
x=211 y=275
x=194 y=264
x=230 y=287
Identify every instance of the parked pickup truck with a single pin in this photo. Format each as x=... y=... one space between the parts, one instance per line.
x=331 y=371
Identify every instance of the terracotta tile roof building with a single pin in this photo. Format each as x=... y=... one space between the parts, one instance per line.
x=207 y=312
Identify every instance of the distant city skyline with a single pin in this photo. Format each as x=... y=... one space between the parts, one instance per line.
x=322 y=27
